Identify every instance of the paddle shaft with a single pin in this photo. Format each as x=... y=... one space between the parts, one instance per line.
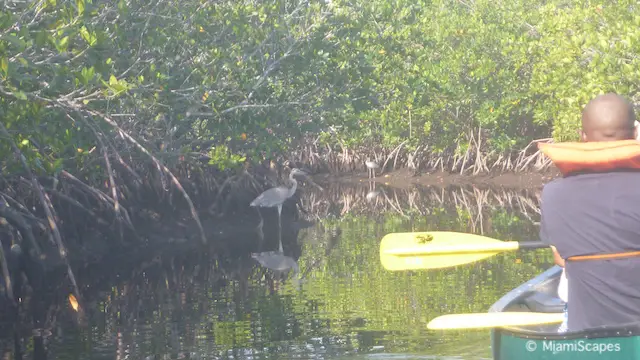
x=467 y=248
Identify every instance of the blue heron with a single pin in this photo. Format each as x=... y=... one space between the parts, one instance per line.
x=371 y=168
x=277 y=196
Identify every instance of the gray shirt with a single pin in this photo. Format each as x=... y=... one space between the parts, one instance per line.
x=596 y=213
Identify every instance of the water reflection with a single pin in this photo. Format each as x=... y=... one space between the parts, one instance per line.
x=183 y=304
x=474 y=203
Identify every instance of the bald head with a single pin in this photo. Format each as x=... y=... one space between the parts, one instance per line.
x=608 y=117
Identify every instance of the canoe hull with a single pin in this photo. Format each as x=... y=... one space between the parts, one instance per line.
x=544 y=342
x=515 y=346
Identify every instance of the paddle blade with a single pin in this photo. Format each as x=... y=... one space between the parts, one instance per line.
x=425 y=262
x=436 y=249
x=493 y=320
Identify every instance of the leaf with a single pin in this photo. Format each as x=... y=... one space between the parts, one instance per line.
x=20 y=95
x=4 y=65
x=88 y=36
x=57 y=165
x=62 y=45
x=16 y=41
x=603 y=43
x=74 y=303
x=87 y=74
x=80 y=5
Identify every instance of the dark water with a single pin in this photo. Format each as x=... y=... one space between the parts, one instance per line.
x=183 y=305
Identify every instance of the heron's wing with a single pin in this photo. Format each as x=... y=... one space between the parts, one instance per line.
x=271 y=197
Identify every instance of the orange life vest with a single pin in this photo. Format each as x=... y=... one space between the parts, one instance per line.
x=601 y=156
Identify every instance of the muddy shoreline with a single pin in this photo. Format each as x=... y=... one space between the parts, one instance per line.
x=405 y=178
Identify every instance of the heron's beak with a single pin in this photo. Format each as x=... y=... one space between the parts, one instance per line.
x=306 y=175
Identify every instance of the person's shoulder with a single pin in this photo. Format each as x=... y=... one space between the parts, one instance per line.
x=622 y=180
x=629 y=174
x=555 y=185
x=627 y=182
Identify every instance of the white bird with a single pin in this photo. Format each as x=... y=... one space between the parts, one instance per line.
x=371 y=168
x=371 y=195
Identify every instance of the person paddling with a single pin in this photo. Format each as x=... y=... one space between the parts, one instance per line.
x=591 y=216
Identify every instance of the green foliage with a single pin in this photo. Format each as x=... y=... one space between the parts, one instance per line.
x=585 y=48
x=169 y=74
x=222 y=157
x=447 y=68
x=262 y=78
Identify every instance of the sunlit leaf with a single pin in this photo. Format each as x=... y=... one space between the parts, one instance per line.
x=74 y=303
x=4 y=65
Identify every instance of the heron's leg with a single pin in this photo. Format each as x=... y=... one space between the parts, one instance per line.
x=280 y=228
x=259 y=227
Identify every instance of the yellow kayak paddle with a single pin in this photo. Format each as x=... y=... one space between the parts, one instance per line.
x=442 y=249
x=493 y=320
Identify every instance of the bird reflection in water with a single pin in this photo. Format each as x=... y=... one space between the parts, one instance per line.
x=372 y=195
x=276 y=261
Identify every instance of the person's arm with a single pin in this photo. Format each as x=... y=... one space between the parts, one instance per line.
x=556 y=257
x=544 y=234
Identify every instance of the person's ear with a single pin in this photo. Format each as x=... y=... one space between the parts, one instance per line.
x=583 y=136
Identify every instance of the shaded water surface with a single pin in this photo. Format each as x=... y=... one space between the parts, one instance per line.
x=183 y=305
